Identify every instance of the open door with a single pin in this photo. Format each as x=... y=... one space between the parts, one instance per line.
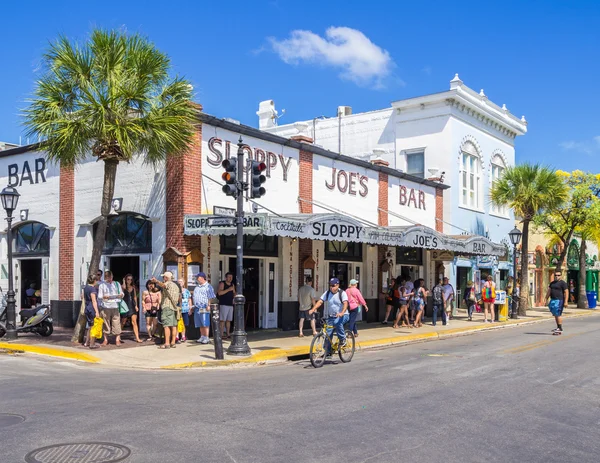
x=145 y=272
x=269 y=294
x=45 y=280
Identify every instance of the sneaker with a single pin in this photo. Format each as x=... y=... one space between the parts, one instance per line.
x=183 y=339
x=385 y=322
x=343 y=344
x=556 y=330
x=199 y=341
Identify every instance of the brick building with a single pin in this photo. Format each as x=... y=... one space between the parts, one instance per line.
x=324 y=215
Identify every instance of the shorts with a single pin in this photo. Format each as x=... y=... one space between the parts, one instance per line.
x=152 y=313
x=556 y=307
x=226 y=313
x=304 y=315
x=186 y=317
x=201 y=320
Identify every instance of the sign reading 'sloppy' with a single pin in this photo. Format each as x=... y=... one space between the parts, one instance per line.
x=220 y=149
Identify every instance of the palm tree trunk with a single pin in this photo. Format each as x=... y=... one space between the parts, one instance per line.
x=582 y=302
x=108 y=190
x=524 y=294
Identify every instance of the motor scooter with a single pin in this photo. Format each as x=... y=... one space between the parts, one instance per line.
x=35 y=320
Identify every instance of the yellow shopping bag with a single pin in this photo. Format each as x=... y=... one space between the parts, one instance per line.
x=96 y=330
x=180 y=325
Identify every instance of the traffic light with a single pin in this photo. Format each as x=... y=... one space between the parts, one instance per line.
x=256 y=190
x=229 y=177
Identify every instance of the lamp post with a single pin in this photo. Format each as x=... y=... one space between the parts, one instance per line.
x=515 y=237
x=10 y=199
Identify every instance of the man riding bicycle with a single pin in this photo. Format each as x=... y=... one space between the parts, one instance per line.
x=335 y=312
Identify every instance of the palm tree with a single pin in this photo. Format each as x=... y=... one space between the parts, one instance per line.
x=111 y=98
x=528 y=189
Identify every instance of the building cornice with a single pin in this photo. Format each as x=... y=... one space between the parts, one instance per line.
x=473 y=104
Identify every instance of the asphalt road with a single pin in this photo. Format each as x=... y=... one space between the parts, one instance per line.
x=511 y=395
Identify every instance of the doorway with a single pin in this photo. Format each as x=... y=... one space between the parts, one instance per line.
x=250 y=289
x=30 y=287
x=122 y=265
x=462 y=276
x=340 y=271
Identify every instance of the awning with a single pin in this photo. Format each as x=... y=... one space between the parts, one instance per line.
x=342 y=228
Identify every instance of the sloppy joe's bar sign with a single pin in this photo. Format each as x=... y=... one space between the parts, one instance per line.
x=220 y=149
x=340 y=228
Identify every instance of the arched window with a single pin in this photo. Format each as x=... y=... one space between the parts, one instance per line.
x=498 y=168
x=470 y=177
x=31 y=239
x=127 y=233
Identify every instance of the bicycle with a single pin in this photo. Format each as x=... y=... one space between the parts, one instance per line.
x=317 y=346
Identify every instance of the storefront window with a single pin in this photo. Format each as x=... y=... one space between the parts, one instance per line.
x=258 y=245
x=127 y=234
x=31 y=239
x=409 y=256
x=344 y=251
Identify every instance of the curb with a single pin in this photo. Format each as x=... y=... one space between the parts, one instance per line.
x=49 y=352
x=283 y=355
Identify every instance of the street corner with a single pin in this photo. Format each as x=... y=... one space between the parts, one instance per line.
x=47 y=351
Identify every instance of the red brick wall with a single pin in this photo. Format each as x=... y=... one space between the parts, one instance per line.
x=382 y=216
x=306 y=182
x=184 y=193
x=66 y=230
x=439 y=210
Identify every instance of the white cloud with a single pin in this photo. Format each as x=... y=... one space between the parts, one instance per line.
x=361 y=61
x=587 y=147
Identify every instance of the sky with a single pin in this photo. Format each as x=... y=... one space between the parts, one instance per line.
x=541 y=59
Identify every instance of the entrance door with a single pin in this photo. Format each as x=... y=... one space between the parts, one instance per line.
x=339 y=271
x=250 y=290
x=462 y=276
x=29 y=291
x=123 y=265
x=270 y=298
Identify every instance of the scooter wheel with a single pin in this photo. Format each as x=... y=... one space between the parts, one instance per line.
x=46 y=329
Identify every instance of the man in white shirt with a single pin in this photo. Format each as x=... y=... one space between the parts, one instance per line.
x=306 y=299
x=110 y=294
x=448 y=296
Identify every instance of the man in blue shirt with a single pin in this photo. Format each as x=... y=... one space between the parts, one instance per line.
x=203 y=293
x=335 y=311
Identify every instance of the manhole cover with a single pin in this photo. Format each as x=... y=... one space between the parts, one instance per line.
x=6 y=419
x=85 y=452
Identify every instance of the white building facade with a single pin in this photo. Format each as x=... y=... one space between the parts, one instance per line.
x=458 y=136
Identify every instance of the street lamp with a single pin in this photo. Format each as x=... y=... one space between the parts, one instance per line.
x=515 y=237
x=10 y=199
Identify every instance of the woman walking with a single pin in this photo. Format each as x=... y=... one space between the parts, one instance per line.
x=419 y=298
x=488 y=294
x=402 y=295
x=90 y=295
x=151 y=299
x=355 y=301
x=186 y=304
x=470 y=299
x=170 y=305
x=131 y=299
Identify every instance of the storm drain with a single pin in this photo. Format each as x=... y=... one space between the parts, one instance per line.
x=8 y=419
x=85 y=452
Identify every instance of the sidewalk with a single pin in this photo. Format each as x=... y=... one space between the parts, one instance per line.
x=267 y=346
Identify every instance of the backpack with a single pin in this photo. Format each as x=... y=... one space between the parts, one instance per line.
x=339 y=295
x=489 y=292
x=437 y=294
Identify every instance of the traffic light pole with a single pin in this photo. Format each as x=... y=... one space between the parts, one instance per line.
x=239 y=343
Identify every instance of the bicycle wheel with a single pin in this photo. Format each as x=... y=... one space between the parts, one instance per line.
x=347 y=352
x=317 y=351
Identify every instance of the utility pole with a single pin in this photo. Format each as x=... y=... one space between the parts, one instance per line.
x=239 y=343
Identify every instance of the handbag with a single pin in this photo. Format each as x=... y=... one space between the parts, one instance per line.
x=180 y=326
x=96 y=329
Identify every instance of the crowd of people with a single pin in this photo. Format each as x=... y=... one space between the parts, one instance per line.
x=167 y=306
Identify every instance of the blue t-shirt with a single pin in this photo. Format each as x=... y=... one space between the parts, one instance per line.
x=185 y=300
x=333 y=304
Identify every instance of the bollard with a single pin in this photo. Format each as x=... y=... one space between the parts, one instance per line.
x=216 y=329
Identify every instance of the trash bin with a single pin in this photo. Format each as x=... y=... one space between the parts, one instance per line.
x=592 y=297
x=503 y=311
